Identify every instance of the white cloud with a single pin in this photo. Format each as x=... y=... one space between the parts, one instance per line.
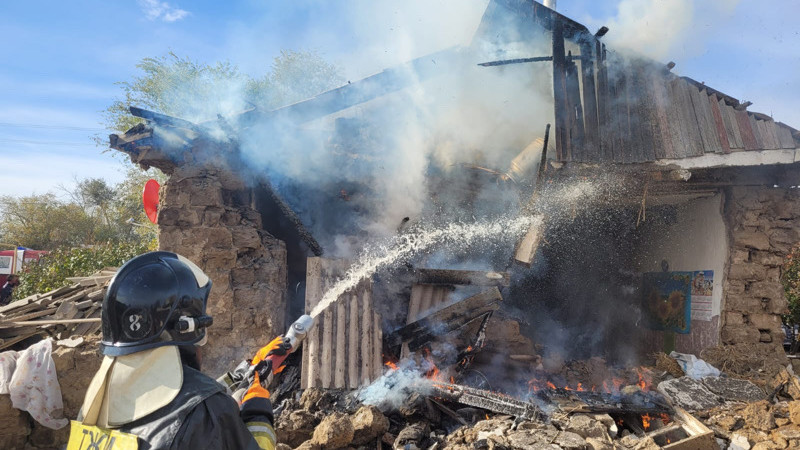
x=156 y=10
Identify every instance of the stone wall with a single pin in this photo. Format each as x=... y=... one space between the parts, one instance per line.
x=75 y=368
x=763 y=224
x=206 y=215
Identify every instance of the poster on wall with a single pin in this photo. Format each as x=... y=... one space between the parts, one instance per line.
x=702 y=291
x=666 y=300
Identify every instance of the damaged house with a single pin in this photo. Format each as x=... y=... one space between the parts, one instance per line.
x=608 y=206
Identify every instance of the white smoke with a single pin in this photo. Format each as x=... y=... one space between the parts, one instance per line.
x=393 y=388
x=664 y=30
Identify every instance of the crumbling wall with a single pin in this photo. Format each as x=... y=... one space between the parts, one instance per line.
x=763 y=224
x=75 y=368
x=206 y=215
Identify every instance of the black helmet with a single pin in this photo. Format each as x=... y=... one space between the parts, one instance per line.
x=155 y=299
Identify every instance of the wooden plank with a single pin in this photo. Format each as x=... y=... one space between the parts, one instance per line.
x=621 y=118
x=603 y=112
x=67 y=310
x=644 y=101
x=762 y=132
x=785 y=136
x=48 y=322
x=326 y=347
x=9 y=342
x=772 y=133
x=526 y=251
x=341 y=347
x=366 y=338
x=414 y=303
x=377 y=347
x=83 y=328
x=719 y=123
x=457 y=313
x=574 y=112
x=462 y=277
x=340 y=344
x=689 y=122
x=28 y=316
x=699 y=437
x=746 y=130
x=314 y=292
x=666 y=104
x=426 y=299
x=657 y=86
x=442 y=296
x=352 y=344
x=702 y=111
x=590 y=121
x=90 y=281
x=731 y=127
x=96 y=295
x=756 y=132
x=33 y=306
x=560 y=105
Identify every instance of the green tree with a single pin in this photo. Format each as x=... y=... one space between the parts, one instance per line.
x=53 y=269
x=198 y=91
x=44 y=222
x=95 y=213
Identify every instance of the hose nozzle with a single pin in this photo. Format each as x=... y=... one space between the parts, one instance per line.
x=298 y=331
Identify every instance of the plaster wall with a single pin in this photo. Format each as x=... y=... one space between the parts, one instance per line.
x=695 y=240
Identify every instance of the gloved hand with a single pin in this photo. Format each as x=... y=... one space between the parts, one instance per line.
x=275 y=347
x=256 y=390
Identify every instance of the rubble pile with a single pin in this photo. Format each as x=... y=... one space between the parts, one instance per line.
x=72 y=310
x=709 y=413
x=331 y=419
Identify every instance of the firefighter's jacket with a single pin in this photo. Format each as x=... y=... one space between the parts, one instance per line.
x=201 y=416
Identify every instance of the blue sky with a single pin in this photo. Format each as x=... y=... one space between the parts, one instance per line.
x=61 y=59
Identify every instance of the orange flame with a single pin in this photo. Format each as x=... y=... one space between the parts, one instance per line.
x=642 y=385
x=391 y=365
x=646 y=421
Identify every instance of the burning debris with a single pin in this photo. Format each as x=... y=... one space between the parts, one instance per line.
x=412 y=407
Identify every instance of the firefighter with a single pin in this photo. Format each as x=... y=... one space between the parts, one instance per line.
x=149 y=392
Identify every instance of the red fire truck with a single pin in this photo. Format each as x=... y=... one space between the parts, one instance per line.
x=14 y=261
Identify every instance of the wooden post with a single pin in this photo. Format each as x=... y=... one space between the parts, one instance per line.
x=367 y=324
x=591 y=125
x=353 y=358
x=574 y=112
x=341 y=327
x=563 y=145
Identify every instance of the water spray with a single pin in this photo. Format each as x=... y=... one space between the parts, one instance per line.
x=414 y=242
